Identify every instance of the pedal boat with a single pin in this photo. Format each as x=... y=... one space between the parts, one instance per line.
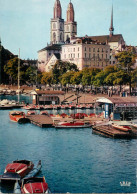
x=34 y=185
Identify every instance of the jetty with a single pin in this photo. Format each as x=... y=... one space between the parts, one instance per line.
x=109 y=131
x=43 y=121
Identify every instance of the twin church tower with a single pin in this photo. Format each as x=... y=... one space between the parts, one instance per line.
x=62 y=31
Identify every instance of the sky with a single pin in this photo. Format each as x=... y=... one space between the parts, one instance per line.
x=25 y=24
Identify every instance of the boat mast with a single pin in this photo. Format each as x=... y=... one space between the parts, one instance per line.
x=19 y=77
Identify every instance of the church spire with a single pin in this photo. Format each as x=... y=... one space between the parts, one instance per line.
x=57 y=10
x=111 y=29
x=70 y=13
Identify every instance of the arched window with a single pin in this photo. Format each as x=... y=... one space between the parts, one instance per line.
x=54 y=37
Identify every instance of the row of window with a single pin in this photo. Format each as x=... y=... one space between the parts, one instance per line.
x=86 y=49
x=61 y=27
x=96 y=65
x=73 y=55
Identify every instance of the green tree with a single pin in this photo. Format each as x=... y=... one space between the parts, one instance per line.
x=126 y=60
x=60 y=68
x=99 y=79
x=11 y=69
x=31 y=74
x=47 y=78
x=77 y=77
x=67 y=78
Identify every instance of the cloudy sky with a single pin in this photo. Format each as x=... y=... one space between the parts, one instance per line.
x=25 y=24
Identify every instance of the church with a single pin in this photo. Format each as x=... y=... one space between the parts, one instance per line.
x=87 y=51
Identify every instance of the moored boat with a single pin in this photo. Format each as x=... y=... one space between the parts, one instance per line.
x=34 y=185
x=122 y=128
x=18 y=116
x=17 y=170
x=31 y=113
x=73 y=124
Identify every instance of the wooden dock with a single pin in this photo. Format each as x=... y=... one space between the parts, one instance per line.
x=109 y=131
x=43 y=121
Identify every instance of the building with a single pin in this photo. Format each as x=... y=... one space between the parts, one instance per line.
x=124 y=108
x=99 y=52
x=84 y=52
x=45 y=54
x=46 y=97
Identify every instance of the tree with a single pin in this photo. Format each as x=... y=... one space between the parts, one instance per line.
x=60 y=68
x=126 y=60
x=67 y=78
x=76 y=79
x=31 y=74
x=99 y=79
x=11 y=69
x=120 y=78
x=47 y=78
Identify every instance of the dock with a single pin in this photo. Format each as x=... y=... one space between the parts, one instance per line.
x=109 y=131
x=43 y=121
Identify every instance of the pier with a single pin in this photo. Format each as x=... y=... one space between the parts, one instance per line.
x=109 y=131
x=43 y=121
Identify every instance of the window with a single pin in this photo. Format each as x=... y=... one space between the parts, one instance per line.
x=85 y=55
x=89 y=55
x=93 y=49
x=102 y=56
x=49 y=54
x=102 y=50
x=60 y=36
x=54 y=37
x=78 y=48
x=89 y=49
x=54 y=25
x=78 y=55
x=113 y=62
x=106 y=56
x=74 y=49
x=98 y=49
x=67 y=28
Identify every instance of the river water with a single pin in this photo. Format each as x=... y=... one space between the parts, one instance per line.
x=73 y=160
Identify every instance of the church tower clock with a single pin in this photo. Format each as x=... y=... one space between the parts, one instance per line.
x=57 y=25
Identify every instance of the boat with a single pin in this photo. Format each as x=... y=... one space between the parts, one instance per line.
x=33 y=173
x=122 y=128
x=34 y=185
x=73 y=124
x=31 y=113
x=18 y=116
x=44 y=113
x=17 y=170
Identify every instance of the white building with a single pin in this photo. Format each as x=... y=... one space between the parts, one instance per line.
x=86 y=53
